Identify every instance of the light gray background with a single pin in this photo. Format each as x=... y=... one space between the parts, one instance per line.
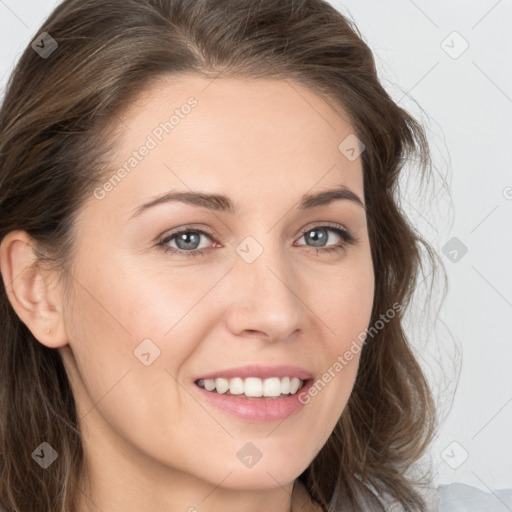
x=468 y=101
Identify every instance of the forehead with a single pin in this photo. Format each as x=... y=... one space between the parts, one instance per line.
x=239 y=137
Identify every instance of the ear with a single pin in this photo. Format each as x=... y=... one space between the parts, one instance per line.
x=33 y=292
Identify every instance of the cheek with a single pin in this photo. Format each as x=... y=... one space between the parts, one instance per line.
x=122 y=303
x=345 y=305
x=121 y=312
x=344 y=308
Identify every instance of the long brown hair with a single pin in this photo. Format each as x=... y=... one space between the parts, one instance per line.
x=55 y=124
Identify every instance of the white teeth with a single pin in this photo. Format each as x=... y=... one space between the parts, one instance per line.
x=294 y=385
x=209 y=384
x=272 y=387
x=236 y=386
x=253 y=386
x=285 y=385
x=222 y=385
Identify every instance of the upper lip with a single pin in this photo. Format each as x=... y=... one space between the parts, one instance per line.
x=260 y=371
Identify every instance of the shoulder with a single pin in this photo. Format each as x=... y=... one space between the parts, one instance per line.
x=458 y=497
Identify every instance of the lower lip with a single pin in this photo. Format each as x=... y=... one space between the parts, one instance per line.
x=257 y=409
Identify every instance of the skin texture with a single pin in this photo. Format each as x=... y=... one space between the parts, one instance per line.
x=151 y=442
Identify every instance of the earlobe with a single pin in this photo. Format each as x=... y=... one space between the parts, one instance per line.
x=32 y=290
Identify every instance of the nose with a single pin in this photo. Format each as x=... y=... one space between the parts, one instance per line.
x=265 y=297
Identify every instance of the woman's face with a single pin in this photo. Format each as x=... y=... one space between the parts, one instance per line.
x=252 y=294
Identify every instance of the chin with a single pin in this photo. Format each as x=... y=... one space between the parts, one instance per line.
x=261 y=477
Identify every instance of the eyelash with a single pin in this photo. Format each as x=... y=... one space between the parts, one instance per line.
x=347 y=237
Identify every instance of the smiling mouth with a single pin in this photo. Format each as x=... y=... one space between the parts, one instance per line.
x=253 y=387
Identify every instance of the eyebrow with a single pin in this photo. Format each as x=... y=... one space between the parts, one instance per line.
x=222 y=203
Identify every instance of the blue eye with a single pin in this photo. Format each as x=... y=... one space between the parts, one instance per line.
x=319 y=235
x=187 y=240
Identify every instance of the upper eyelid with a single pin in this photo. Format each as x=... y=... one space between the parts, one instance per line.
x=168 y=236
x=334 y=225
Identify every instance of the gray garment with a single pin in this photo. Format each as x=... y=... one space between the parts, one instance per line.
x=459 y=497
x=455 y=497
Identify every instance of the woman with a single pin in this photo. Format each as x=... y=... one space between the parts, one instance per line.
x=268 y=372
